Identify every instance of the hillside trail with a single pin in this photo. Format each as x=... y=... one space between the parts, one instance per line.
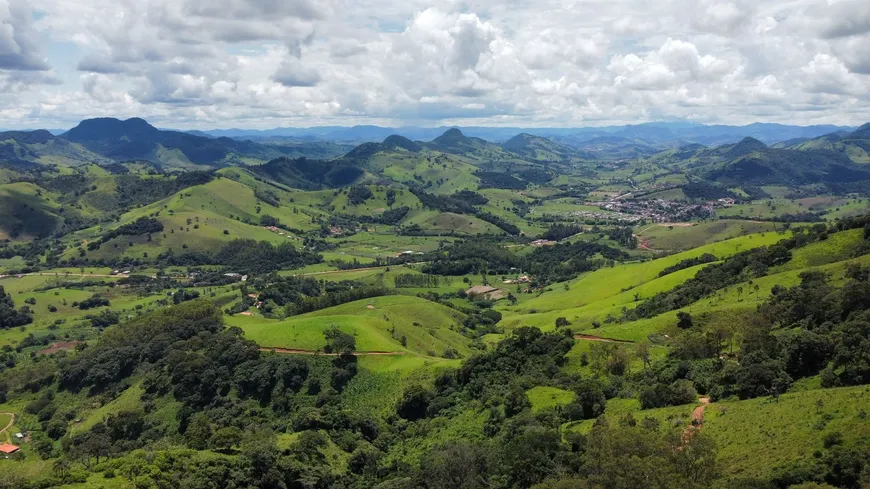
x=589 y=337
x=697 y=419
x=299 y=351
x=11 y=422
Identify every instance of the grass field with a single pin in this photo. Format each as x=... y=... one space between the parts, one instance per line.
x=543 y=397
x=665 y=237
x=832 y=207
x=757 y=435
x=839 y=246
x=6 y=436
x=447 y=222
x=606 y=283
x=378 y=324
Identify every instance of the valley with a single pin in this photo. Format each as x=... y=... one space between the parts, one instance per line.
x=188 y=310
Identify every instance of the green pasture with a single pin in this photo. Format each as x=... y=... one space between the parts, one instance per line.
x=671 y=237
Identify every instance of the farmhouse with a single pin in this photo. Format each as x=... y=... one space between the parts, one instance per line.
x=542 y=242
x=8 y=449
x=485 y=291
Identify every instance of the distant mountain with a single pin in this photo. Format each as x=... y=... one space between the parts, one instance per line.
x=541 y=149
x=772 y=166
x=308 y=174
x=658 y=134
x=855 y=144
x=27 y=148
x=746 y=146
x=832 y=160
x=401 y=142
x=454 y=142
x=135 y=139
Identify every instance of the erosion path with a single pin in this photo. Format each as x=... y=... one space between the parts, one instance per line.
x=697 y=420
x=299 y=351
x=698 y=412
x=11 y=422
x=589 y=337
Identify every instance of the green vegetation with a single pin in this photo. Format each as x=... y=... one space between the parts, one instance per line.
x=443 y=314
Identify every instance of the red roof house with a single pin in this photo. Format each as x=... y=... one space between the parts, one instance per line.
x=7 y=448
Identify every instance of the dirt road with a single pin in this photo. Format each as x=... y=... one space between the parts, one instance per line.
x=11 y=422
x=65 y=275
x=326 y=272
x=697 y=420
x=698 y=412
x=589 y=337
x=298 y=351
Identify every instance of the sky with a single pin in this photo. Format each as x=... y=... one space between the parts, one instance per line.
x=545 y=63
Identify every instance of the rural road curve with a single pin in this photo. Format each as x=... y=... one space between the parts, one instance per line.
x=11 y=422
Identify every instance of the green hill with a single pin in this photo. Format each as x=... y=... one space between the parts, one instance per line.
x=537 y=148
x=25 y=148
x=378 y=324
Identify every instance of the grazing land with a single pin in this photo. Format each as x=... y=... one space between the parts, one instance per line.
x=454 y=313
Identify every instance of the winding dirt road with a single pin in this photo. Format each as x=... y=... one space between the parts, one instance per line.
x=11 y=422
x=299 y=351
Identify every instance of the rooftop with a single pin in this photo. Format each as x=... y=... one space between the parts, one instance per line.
x=7 y=448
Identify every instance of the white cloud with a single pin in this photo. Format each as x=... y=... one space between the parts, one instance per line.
x=19 y=42
x=827 y=74
x=220 y=63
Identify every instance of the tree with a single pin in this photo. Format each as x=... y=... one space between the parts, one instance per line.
x=225 y=438
x=456 y=465
x=589 y=401
x=338 y=341
x=414 y=403
x=516 y=401
x=61 y=467
x=198 y=432
x=562 y=322
x=9 y=317
x=684 y=320
x=529 y=457
x=642 y=352
x=695 y=461
x=267 y=220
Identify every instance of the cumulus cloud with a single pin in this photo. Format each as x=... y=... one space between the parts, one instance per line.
x=844 y=18
x=19 y=42
x=308 y=62
x=293 y=73
x=827 y=74
x=675 y=63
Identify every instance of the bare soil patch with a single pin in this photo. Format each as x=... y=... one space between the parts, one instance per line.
x=60 y=345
